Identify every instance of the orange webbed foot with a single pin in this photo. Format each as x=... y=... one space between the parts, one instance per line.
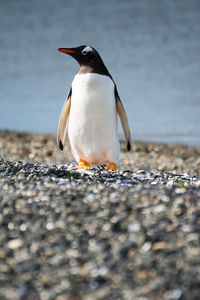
x=112 y=166
x=83 y=165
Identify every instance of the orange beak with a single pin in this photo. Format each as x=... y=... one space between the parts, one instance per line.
x=66 y=50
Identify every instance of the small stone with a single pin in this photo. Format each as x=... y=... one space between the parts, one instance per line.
x=142 y=274
x=170 y=183
x=159 y=208
x=180 y=190
x=2 y=254
x=90 y=197
x=23 y=227
x=173 y=294
x=186 y=228
x=146 y=247
x=159 y=246
x=64 y=182
x=154 y=182
x=134 y=227
x=50 y=226
x=11 y=226
x=14 y=244
x=197 y=183
x=103 y=271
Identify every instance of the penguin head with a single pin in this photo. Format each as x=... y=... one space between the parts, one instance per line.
x=86 y=56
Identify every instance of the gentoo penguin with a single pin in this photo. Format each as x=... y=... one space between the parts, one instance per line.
x=90 y=112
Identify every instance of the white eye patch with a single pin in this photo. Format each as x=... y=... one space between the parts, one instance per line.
x=87 y=49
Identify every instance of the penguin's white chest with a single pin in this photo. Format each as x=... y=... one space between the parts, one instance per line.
x=92 y=127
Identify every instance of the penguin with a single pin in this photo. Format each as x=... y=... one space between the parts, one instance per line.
x=90 y=111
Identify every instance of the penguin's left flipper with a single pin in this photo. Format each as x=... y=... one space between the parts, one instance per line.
x=64 y=117
x=124 y=119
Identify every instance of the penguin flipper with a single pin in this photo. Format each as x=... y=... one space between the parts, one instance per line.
x=62 y=125
x=124 y=119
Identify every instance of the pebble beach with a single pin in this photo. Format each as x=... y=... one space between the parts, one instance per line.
x=68 y=234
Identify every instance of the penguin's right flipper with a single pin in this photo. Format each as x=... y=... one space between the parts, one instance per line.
x=124 y=119
x=64 y=117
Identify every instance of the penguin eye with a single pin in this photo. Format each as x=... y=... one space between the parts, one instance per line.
x=87 y=50
x=84 y=52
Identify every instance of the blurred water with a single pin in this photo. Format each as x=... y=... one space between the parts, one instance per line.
x=152 y=49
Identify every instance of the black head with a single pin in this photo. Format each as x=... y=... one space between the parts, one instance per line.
x=88 y=59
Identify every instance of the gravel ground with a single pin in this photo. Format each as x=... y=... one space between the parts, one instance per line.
x=94 y=235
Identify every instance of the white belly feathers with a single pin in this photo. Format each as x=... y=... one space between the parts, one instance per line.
x=92 y=126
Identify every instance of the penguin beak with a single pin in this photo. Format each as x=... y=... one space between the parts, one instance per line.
x=66 y=50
